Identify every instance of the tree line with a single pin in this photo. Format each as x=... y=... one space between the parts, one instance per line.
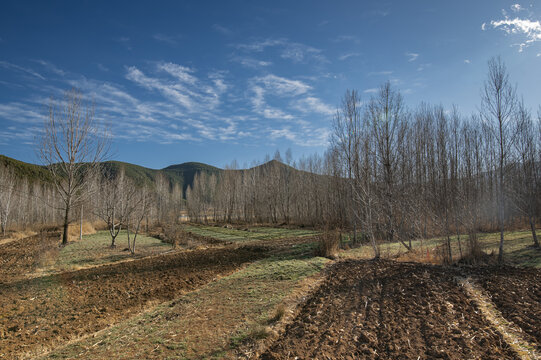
x=397 y=174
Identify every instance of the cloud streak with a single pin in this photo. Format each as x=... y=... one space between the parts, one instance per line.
x=293 y=51
x=10 y=66
x=412 y=56
x=529 y=30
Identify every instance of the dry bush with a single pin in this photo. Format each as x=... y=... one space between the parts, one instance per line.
x=441 y=254
x=420 y=255
x=279 y=313
x=259 y=332
x=328 y=244
x=475 y=255
x=175 y=234
x=73 y=229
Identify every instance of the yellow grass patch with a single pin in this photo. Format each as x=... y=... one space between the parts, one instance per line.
x=74 y=229
x=17 y=235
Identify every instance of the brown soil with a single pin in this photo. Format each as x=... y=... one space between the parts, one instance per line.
x=20 y=258
x=41 y=313
x=389 y=310
x=517 y=295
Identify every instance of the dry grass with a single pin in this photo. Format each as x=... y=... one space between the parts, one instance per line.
x=328 y=244
x=479 y=248
x=17 y=235
x=219 y=320
x=278 y=314
x=74 y=229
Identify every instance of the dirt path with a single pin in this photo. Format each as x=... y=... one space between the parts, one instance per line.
x=41 y=313
x=388 y=310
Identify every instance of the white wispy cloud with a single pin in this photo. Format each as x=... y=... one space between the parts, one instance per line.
x=290 y=119
x=22 y=112
x=467 y=61
x=348 y=55
x=10 y=66
x=348 y=38
x=313 y=104
x=293 y=51
x=423 y=67
x=380 y=73
x=167 y=39
x=222 y=29
x=187 y=105
x=411 y=56
x=516 y=7
x=250 y=62
x=529 y=30
x=51 y=67
x=371 y=91
x=102 y=67
x=192 y=93
x=282 y=86
x=182 y=73
x=124 y=40
x=315 y=137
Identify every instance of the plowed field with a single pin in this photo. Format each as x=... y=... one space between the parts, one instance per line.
x=517 y=295
x=37 y=314
x=389 y=310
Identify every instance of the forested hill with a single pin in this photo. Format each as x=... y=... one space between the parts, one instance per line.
x=181 y=174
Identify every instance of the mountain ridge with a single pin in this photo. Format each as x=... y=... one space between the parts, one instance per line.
x=182 y=174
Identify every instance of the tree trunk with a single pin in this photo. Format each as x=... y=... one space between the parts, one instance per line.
x=501 y=223
x=65 y=235
x=534 y=234
x=81 y=225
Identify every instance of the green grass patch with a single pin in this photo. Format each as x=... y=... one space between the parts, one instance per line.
x=95 y=250
x=517 y=247
x=210 y=322
x=250 y=234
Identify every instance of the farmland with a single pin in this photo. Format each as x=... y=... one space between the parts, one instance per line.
x=257 y=292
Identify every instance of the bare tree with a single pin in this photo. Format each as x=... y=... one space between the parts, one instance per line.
x=498 y=104
x=352 y=143
x=386 y=115
x=528 y=168
x=7 y=187
x=72 y=145
x=140 y=204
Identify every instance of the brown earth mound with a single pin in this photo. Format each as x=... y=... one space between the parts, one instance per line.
x=20 y=258
x=389 y=310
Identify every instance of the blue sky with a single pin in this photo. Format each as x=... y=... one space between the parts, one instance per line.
x=213 y=81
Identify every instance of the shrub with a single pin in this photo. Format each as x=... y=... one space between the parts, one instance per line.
x=328 y=244
x=278 y=314
x=175 y=234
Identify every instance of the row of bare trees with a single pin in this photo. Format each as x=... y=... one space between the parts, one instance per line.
x=433 y=172
x=269 y=193
x=397 y=174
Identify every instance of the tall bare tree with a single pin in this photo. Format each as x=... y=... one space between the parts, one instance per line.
x=7 y=188
x=72 y=145
x=498 y=105
x=527 y=172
